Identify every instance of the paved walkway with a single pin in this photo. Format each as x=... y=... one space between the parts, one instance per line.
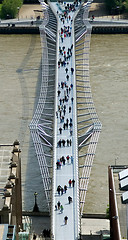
x=65 y=201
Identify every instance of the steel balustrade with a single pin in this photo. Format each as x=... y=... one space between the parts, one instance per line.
x=41 y=126
x=90 y=141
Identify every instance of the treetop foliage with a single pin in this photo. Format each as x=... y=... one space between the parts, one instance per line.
x=10 y=8
x=116 y=6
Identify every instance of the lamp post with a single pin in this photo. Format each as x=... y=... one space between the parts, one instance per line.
x=18 y=8
x=35 y=208
x=118 y=12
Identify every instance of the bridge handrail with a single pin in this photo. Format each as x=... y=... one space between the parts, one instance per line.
x=54 y=134
x=77 y=208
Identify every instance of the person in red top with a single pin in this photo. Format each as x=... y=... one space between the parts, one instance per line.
x=70 y=182
x=68 y=158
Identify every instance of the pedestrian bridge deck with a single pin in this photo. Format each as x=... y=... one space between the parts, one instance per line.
x=66 y=89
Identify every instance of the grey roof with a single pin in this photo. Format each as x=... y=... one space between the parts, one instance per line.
x=122 y=208
x=123 y=174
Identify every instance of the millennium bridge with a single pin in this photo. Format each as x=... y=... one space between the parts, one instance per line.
x=65 y=127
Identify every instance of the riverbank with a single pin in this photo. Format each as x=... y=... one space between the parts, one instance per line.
x=30 y=17
x=32 y=27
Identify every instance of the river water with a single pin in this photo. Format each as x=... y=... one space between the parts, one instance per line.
x=20 y=78
x=108 y=76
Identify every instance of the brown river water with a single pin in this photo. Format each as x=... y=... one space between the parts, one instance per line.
x=20 y=78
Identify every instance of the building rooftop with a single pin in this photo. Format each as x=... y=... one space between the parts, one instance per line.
x=122 y=208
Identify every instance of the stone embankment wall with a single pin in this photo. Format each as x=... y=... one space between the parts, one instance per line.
x=35 y=30
x=109 y=29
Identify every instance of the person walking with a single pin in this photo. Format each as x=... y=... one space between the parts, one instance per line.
x=58 y=92
x=60 y=130
x=64 y=111
x=69 y=89
x=70 y=182
x=69 y=199
x=58 y=189
x=71 y=86
x=60 y=111
x=63 y=160
x=57 y=164
x=72 y=99
x=34 y=236
x=70 y=109
x=72 y=70
x=65 y=220
x=67 y=120
x=64 y=126
x=60 y=100
x=73 y=182
x=56 y=114
x=61 y=39
x=58 y=204
x=63 y=142
x=61 y=208
x=68 y=142
x=62 y=190
x=65 y=188
x=71 y=159
x=70 y=131
x=66 y=70
x=59 y=143
x=67 y=158
x=67 y=76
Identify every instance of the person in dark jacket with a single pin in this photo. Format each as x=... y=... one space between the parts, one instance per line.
x=65 y=219
x=34 y=236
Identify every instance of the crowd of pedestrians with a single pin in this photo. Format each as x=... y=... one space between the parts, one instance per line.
x=64 y=112
x=64 y=160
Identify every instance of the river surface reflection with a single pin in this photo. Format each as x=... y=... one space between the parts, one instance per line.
x=20 y=79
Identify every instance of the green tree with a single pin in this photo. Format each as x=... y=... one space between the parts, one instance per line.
x=126 y=5
x=115 y=6
x=110 y=5
x=10 y=9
